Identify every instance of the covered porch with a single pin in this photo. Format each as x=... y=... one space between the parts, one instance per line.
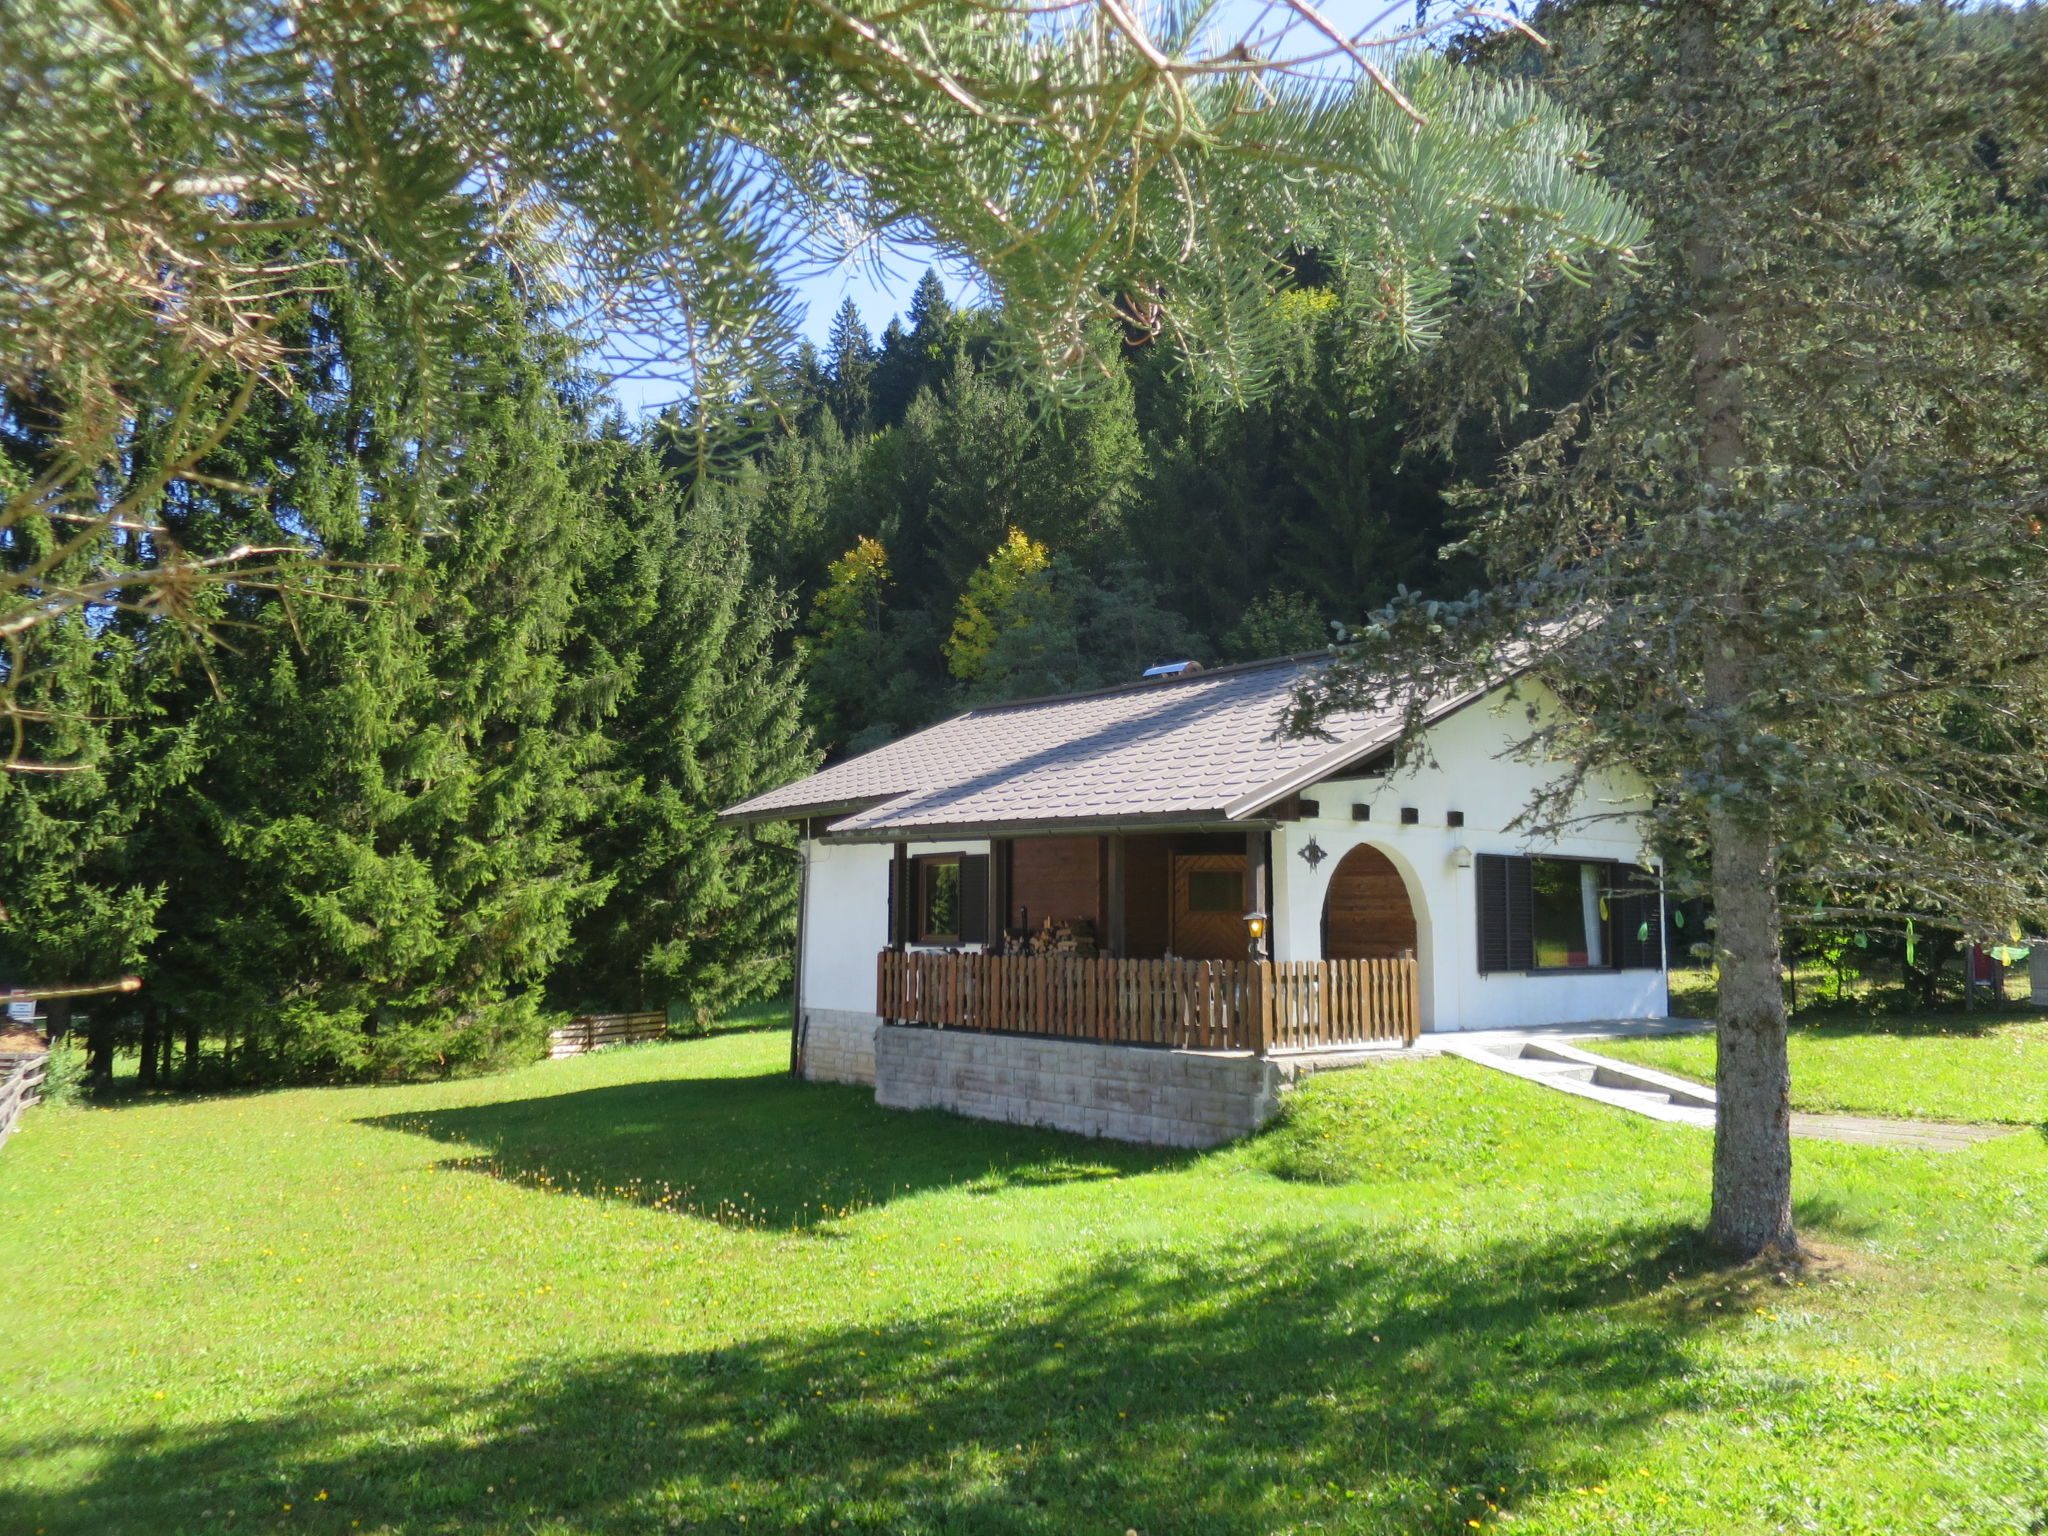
x=1180 y=894
x=1262 y=1007
x=1159 y=938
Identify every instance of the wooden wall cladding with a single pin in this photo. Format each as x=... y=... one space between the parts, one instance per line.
x=1056 y=877
x=1148 y=874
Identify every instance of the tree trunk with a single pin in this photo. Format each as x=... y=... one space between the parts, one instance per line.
x=99 y=1048
x=191 y=1049
x=1753 y=1127
x=145 y=1070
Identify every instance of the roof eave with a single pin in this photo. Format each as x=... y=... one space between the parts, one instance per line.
x=740 y=816
x=1095 y=826
x=1340 y=757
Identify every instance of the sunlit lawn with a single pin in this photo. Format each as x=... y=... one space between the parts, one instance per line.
x=1982 y=1066
x=668 y=1288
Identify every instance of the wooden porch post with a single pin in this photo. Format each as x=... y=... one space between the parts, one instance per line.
x=900 y=896
x=998 y=892
x=1258 y=884
x=1116 y=914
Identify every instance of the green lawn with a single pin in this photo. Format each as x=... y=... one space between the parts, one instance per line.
x=667 y=1288
x=1991 y=1068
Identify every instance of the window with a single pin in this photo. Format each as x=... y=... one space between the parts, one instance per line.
x=1567 y=914
x=949 y=899
x=1215 y=890
x=1539 y=914
x=938 y=901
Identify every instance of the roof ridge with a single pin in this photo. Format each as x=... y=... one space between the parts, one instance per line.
x=1144 y=685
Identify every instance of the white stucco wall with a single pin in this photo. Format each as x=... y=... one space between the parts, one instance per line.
x=1473 y=772
x=846 y=924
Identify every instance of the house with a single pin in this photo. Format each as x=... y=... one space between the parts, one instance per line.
x=1000 y=912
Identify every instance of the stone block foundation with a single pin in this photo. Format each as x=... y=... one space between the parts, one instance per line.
x=1126 y=1093
x=838 y=1046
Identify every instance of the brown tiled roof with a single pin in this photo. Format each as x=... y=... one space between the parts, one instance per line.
x=1205 y=747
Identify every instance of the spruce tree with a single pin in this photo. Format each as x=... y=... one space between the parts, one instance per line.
x=1785 y=556
x=374 y=872
x=849 y=369
x=696 y=915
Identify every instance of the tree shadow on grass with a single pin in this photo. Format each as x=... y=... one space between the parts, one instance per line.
x=1849 y=1021
x=1345 y=1381
x=764 y=1151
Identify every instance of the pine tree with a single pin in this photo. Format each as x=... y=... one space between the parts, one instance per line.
x=1786 y=554
x=374 y=872
x=1031 y=622
x=931 y=315
x=919 y=356
x=697 y=916
x=866 y=662
x=1279 y=623
x=992 y=455
x=850 y=368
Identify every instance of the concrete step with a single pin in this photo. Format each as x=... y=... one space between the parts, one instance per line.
x=1639 y=1090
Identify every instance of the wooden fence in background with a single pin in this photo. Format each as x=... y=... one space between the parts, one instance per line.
x=1204 y=1005
x=601 y=1029
x=18 y=1091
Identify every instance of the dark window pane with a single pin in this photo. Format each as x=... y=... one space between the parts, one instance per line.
x=1566 y=913
x=1215 y=890
x=942 y=900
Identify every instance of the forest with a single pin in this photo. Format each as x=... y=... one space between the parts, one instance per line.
x=462 y=774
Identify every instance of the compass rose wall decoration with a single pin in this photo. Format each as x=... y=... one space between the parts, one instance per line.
x=1312 y=854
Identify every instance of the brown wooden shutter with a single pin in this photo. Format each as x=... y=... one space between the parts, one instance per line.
x=1638 y=926
x=902 y=905
x=1506 y=931
x=974 y=898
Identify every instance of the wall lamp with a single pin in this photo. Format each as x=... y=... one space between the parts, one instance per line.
x=1254 y=930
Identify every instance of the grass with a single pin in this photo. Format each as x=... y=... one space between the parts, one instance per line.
x=667 y=1288
x=1981 y=1066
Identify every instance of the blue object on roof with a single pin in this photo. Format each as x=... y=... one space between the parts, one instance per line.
x=1173 y=668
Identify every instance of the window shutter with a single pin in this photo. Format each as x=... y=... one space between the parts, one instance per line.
x=899 y=901
x=1638 y=918
x=974 y=898
x=1506 y=931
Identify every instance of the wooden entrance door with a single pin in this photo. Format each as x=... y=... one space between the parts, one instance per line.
x=1209 y=906
x=1366 y=915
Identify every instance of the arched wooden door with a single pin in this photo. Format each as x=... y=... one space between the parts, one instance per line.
x=1366 y=914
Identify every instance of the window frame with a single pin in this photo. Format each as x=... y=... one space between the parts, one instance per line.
x=1506 y=879
x=1239 y=906
x=1606 y=935
x=922 y=867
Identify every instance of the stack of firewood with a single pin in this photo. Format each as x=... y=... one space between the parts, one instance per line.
x=1062 y=936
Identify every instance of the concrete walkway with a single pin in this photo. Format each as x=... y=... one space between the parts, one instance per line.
x=1545 y=1056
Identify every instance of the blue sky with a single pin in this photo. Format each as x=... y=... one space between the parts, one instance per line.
x=881 y=290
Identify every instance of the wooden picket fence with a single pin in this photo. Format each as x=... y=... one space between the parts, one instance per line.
x=598 y=1030
x=18 y=1091
x=1205 y=1005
